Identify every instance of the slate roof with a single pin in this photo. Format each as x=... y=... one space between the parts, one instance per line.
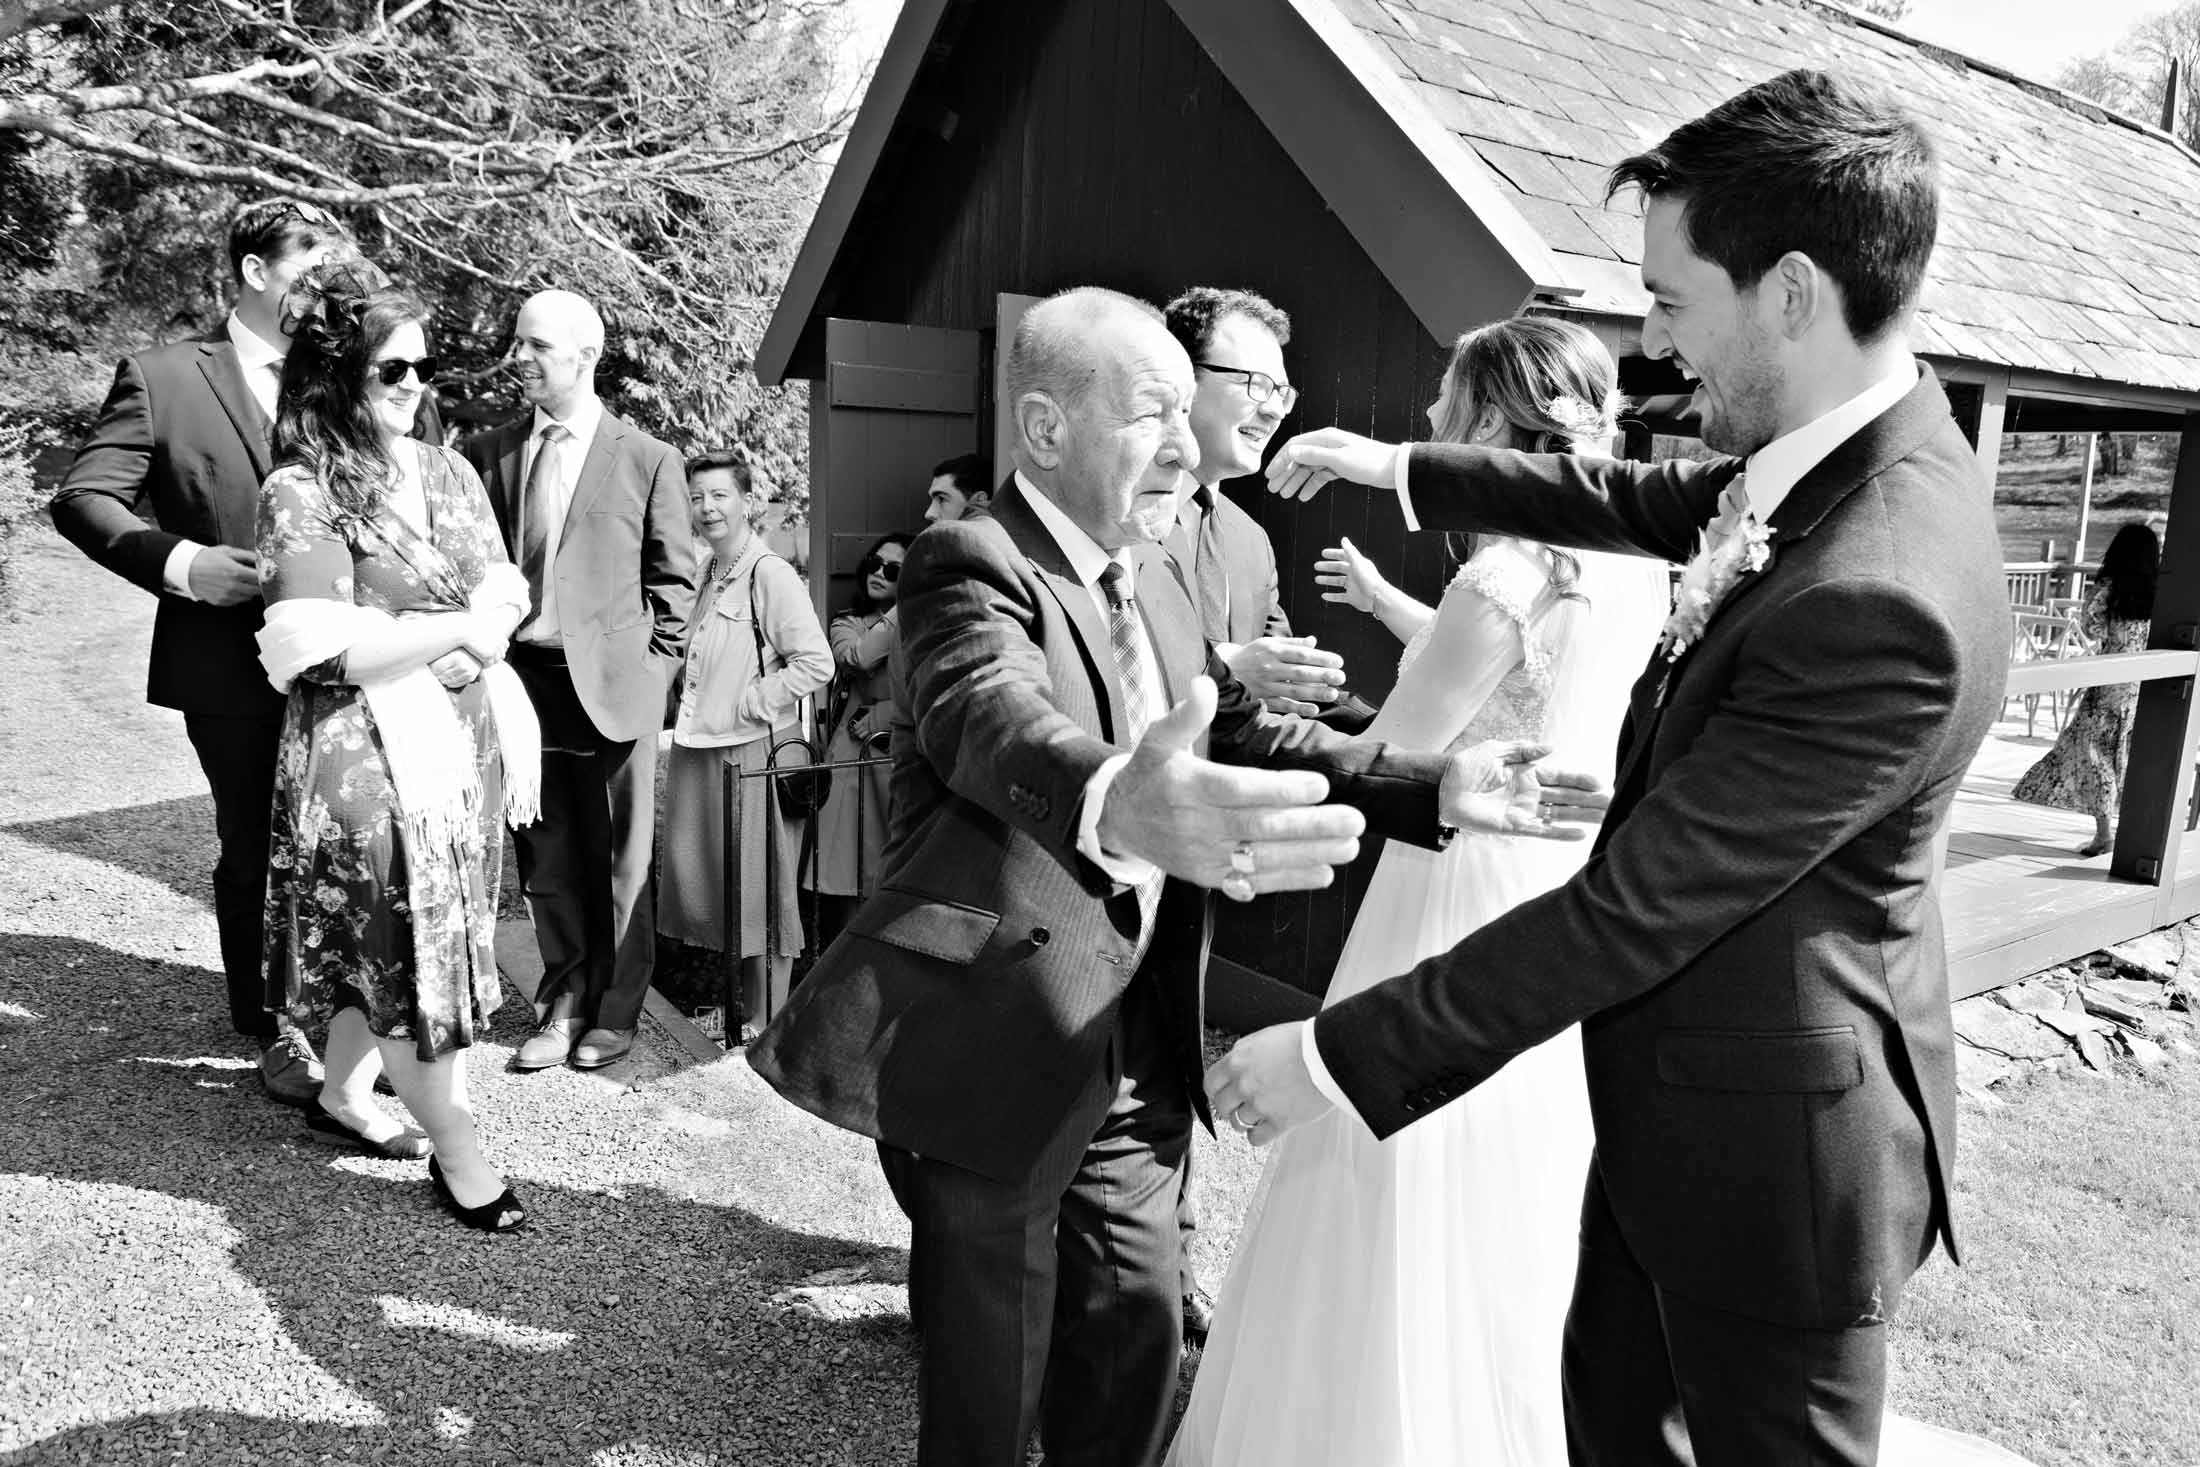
x=2070 y=238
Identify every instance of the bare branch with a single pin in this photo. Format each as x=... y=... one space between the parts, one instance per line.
x=18 y=16
x=82 y=101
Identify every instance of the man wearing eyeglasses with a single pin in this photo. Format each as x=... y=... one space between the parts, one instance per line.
x=595 y=514
x=186 y=429
x=1235 y=339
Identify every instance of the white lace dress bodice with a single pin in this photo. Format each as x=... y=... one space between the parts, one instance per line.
x=1512 y=580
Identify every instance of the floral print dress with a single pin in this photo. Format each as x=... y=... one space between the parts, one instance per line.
x=2085 y=769
x=354 y=917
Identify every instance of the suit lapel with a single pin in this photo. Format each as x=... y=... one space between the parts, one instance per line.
x=1053 y=570
x=603 y=451
x=1172 y=622
x=218 y=362
x=1870 y=451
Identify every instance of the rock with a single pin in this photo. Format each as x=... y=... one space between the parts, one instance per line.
x=2148 y=1054
x=2154 y=955
x=1976 y=1069
x=2071 y=1025
x=2003 y=1031
x=2031 y=996
x=1978 y=1094
x=2141 y=992
x=2110 y=1007
x=2095 y=1050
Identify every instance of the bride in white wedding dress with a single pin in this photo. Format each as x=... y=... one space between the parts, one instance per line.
x=1400 y=1303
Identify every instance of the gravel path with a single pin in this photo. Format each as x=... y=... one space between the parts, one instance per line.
x=185 y=1277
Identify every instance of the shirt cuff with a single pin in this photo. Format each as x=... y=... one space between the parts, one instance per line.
x=175 y=572
x=1318 y=1072
x=1405 y=496
x=1128 y=870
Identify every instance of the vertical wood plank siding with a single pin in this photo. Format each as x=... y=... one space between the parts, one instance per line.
x=1095 y=143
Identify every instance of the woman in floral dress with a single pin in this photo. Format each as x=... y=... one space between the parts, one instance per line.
x=2085 y=769
x=390 y=600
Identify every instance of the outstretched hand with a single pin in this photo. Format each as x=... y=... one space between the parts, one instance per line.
x=1302 y=466
x=1242 y=831
x=1497 y=788
x=1262 y=1086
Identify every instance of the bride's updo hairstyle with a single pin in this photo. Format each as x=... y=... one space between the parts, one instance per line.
x=338 y=315
x=1552 y=381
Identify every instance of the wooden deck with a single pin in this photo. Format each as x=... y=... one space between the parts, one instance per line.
x=2016 y=896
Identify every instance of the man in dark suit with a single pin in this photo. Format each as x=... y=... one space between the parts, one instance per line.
x=1015 y=1014
x=1754 y=951
x=595 y=512
x=186 y=428
x=1235 y=339
x=959 y=485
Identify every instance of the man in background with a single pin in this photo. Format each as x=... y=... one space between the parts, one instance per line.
x=959 y=485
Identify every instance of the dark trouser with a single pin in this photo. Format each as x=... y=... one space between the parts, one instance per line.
x=585 y=865
x=1187 y=1224
x=238 y=755
x=1051 y=1301
x=1652 y=1380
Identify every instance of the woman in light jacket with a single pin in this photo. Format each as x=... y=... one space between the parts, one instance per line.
x=754 y=652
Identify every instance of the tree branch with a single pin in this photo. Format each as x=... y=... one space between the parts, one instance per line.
x=82 y=101
x=18 y=16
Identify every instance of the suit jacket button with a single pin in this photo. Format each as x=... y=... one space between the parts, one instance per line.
x=1040 y=937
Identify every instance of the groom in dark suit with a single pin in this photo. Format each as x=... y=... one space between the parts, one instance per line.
x=1754 y=950
x=186 y=429
x=1015 y=1014
x=594 y=511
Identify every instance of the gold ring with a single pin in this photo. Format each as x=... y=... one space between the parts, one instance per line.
x=1237 y=1119
x=1241 y=858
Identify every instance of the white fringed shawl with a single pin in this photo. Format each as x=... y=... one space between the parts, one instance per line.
x=430 y=759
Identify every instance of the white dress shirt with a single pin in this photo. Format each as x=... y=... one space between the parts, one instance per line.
x=1771 y=472
x=1087 y=561
x=581 y=423
x=261 y=362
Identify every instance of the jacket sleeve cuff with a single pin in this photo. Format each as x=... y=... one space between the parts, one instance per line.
x=1401 y=464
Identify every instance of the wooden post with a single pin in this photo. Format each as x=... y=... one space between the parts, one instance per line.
x=2173 y=96
x=2085 y=499
x=1993 y=412
x=2158 y=772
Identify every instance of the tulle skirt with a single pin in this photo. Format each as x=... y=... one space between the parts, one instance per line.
x=1401 y=1302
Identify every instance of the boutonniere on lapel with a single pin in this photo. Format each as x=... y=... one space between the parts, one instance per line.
x=1733 y=545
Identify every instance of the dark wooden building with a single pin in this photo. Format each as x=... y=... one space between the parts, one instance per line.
x=1393 y=172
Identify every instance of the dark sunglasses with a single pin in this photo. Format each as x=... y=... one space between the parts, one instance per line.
x=392 y=370
x=880 y=565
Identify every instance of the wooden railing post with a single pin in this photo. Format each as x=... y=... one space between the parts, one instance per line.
x=2158 y=774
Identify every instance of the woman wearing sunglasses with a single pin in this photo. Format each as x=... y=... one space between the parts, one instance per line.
x=406 y=742
x=851 y=828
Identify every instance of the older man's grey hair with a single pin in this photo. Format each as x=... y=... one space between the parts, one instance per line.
x=1052 y=349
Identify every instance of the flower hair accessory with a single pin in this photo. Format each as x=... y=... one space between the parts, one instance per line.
x=329 y=302
x=1579 y=419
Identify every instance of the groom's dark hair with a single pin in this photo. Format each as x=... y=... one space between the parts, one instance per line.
x=1807 y=161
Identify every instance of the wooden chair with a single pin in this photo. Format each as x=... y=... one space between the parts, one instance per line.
x=2037 y=636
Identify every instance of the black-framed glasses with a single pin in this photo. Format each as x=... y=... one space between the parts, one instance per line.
x=880 y=565
x=1259 y=386
x=392 y=370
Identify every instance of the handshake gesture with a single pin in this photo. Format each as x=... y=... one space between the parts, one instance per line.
x=1246 y=831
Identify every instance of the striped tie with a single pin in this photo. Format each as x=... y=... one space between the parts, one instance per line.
x=1127 y=640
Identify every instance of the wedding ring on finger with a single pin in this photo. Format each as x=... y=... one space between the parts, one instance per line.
x=1237 y=887
x=1237 y=1119
x=1241 y=859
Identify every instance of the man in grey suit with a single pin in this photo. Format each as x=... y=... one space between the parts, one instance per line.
x=1754 y=950
x=595 y=512
x=1015 y=1014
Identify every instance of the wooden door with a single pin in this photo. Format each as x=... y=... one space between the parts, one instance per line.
x=894 y=401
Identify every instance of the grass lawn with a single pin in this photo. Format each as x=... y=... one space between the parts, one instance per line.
x=2072 y=1333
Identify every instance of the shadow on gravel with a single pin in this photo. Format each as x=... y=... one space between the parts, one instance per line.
x=627 y=1322
x=156 y=841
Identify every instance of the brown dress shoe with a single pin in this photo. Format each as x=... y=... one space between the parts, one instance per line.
x=290 y=1071
x=549 y=1045
x=1199 y=1316
x=600 y=1047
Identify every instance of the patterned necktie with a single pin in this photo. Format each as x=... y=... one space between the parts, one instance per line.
x=1210 y=572
x=1733 y=511
x=538 y=511
x=1127 y=640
